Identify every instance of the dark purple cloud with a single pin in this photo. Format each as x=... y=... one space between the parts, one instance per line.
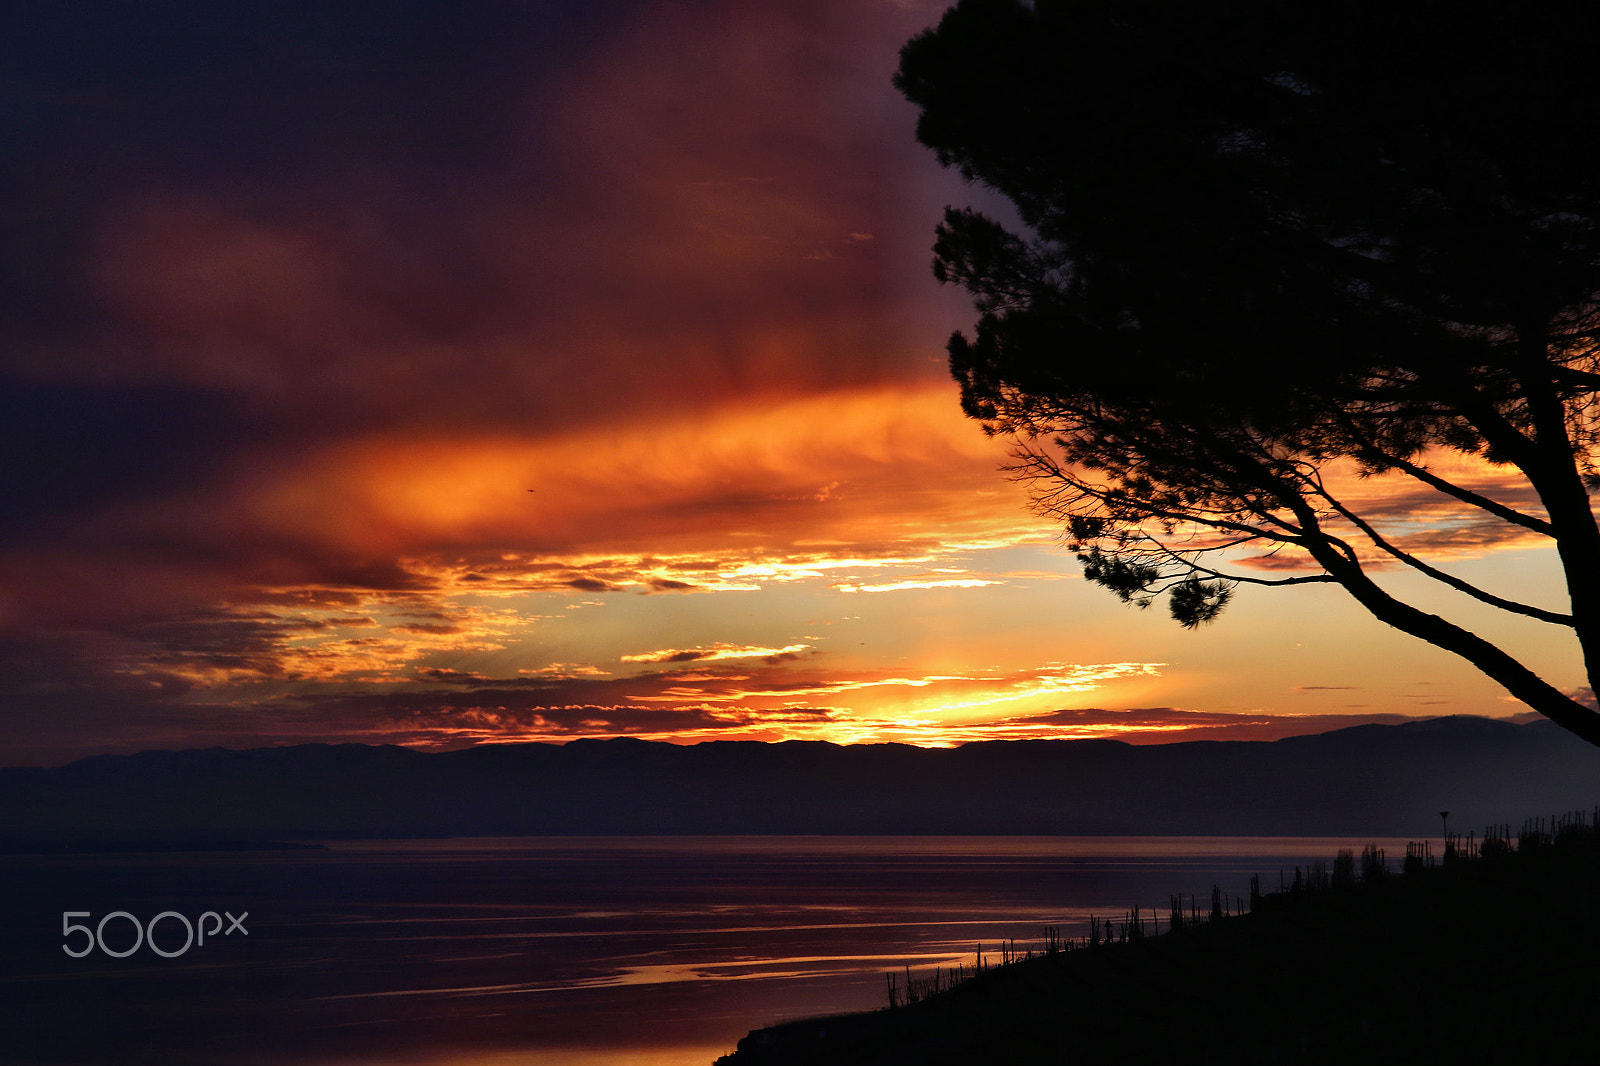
x=1164 y=725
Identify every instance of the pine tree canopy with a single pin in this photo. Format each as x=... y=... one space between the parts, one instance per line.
x=1265 y=253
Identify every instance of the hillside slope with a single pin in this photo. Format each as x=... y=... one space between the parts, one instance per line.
x=1482 y=961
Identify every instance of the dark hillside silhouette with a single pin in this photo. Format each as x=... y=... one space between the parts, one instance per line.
x=1447 y=963
x=1266 y=247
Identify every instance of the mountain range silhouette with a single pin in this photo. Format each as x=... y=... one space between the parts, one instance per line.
x=1380 y=780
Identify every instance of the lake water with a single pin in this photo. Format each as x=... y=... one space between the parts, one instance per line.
x=643 y=951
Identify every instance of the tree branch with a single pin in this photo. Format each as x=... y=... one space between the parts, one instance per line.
x=1516 y=678
x=1194 y=565
x=1494 y=507
x=1441 y=576
x=1371 y=452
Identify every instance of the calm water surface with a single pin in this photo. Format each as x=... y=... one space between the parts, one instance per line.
x=550 y=951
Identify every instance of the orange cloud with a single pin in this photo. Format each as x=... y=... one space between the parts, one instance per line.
x=637 y=485
x=917 y=583
x=713 y=653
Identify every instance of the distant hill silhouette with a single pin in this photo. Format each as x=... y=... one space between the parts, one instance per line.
x=1367 y=780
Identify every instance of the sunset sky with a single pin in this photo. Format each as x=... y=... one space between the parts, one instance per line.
x=449 y=371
